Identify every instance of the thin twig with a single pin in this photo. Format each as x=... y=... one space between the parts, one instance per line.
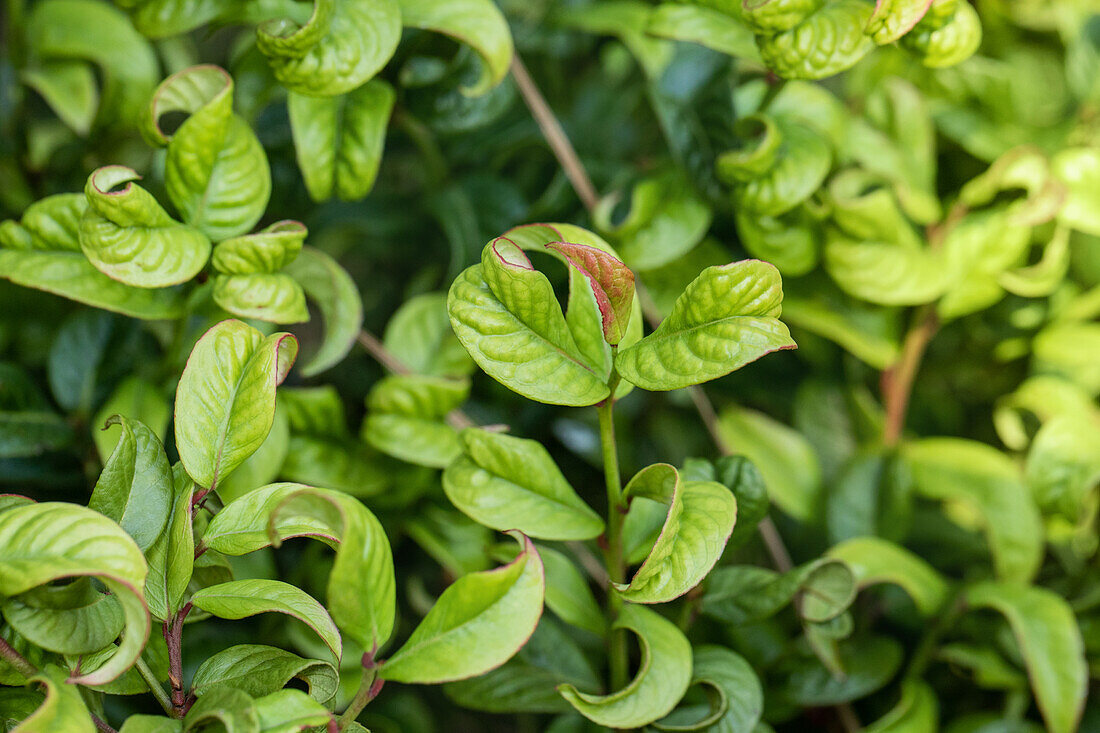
x=101 y=725
x=897 y=381
x=555 y=135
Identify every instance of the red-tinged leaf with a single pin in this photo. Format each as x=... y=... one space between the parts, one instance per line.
x=612 y=283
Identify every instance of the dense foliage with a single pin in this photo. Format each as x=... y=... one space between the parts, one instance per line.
x=871 y=230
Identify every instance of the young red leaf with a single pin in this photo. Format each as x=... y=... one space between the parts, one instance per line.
x=612 y=283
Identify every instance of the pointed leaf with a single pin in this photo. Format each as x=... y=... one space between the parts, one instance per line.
x=701 y=515
x=136 y=399
x=225 y=401
x=261 y=670
x=242 y=598
x=476 y=625
x=737 y=700
x=339 y=139
x=1050 y=643
x=344 y=43
x=290 y=711
x=662 y=678
x=506 y=483
x=127 y=236
x=361 y=593
x=135 y=487
x=70 y=619
x=726 y=318
x=62 y=710
x=45 y=542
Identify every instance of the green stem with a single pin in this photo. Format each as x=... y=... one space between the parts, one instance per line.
x=616 y=511
x=155 y=686
x=369 y=687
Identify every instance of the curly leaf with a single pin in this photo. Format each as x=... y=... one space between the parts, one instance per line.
x=42 y=251
x=135 y=487
x=239 y=599
x=225 y=401
x=736 y=702
x=269 y=250
x=336 y=295
x=69 y=87
x=725 y=318
x=476 y=625
x=700 y=518
x=50 y=541
x=874 y=560
x=986 y=482
x=506 y=315
x=949 y=33
x=127 y=236
x=786 y=163
x=1050 y=643
x=885 y=273
x=216 y=173
x=662 y=678
x=361 y=592
x=63 y=709
x=475 y=22
x=611 y=281
x=892 y=19
x=165 y=18
x=343 y=44
x=506 y=482
x=1079 y=170
x=69 y=619
x=790 y=241
x=826 y=42
x=339 y=139
x=917 y=710
x=406 y=416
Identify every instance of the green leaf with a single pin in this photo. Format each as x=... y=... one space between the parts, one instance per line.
x=263 y=466
x=339 y=139
x=50 y=541
x=150 y=724
x=892 y=19
x=784 y=163
x=406 y=416
x=419 y=335
x=568 y=593
x=666 y=219
x=63 y=710
x=269 y=250
x=290 y=711
x=787 y=461
x=233 y=709
x=136 y=399
x=476 y=625
x=1079 y=170
x=242 y=598
x=165 y=18
x=477 y=23
x=506 y=315
x=270 y=296
x=216 y=172
x=611 y=281
x=344 y=43
x=69 y=87
x=662 y=678
x=885 y=273
x=343 y=464
x=710 y=27
x=70 y=619
x=225 y=401
x=527 y=682
x=725 y=318
x=948 y=34
x=127 y=236
x=96 y=32
x=874 y=560
x=171 y=558
x=917 y=711
x=135 y=487
x=1050 y=642
x=827 y=40
x=790 y=241
x=737 y=700
x=506 y=483
x=336 y=295
x=361 y=594
x=741 y=594
x=43 y=252
x=988 y=486
x=261 y=670
x=1063 y=465
x=868 y=333
x=700 y=518
x=869 y=663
